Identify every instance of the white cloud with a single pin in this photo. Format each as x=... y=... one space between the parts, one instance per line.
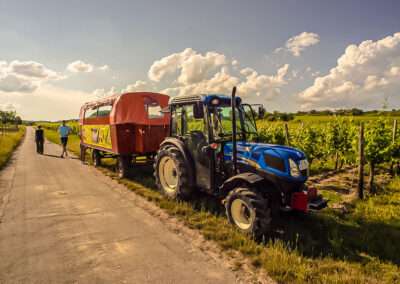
x=221 y=82
x=101 y=93
x=24 y=76
x=364 y=75
x=191 y=66
x=14 y=83
x=211 y=72
x=32 y=69
x=138 y=86
x=168 y=65
x=268 y=85
x=79 y=66
x=297 y=44
x=104 y=68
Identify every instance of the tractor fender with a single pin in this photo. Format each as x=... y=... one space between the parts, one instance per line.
x=247 y=178
x=185 y=154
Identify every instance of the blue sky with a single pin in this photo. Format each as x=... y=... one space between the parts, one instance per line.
x=129 y=36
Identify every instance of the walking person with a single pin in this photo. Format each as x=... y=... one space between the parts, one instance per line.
x=39 y=139
x=64 y=132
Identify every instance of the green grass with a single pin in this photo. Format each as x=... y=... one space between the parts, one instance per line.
x=8 y=142
x=360 y=246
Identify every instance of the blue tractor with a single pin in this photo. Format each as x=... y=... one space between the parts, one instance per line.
x=213 y=147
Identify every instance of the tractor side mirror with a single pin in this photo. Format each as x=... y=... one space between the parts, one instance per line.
x=198 y=111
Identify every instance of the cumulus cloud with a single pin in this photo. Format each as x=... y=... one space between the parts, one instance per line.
x=32 y=69
x=138 y=86
x=101 y=93
x=190 y=66
x=80 y=66
x=14 y=83
x=24 y=76
x=221 y=82
x=211 y=72
x=297 y=44
x=269 y=85
x=365 y=74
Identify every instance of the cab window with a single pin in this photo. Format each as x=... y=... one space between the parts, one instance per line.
x=185 y=123
x=192 y=124
x=91 y=113
x=176 y=124
x=104 y=110
x=152 y=108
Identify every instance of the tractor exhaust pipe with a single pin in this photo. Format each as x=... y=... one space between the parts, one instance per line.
x=234 y=146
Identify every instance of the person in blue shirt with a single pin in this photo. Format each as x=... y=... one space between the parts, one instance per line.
x=64 y=131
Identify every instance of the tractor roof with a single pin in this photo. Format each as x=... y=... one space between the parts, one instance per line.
x=204 y=98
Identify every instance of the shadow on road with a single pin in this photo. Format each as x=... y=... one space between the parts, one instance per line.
x=59 y=157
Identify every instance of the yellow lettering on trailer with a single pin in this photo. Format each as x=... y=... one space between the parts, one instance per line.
x=97 y=135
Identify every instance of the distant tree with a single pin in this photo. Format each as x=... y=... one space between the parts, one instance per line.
x=356 y=111
x=18 y=120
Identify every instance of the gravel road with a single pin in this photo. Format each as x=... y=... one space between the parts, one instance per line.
x=64 y=222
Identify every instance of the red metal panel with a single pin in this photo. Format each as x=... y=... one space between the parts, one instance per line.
x=100 y=120
x=130 y=108
x=125 y=139
x=300 y=201
x=149 y=137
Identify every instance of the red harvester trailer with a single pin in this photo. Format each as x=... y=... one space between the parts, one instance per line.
x=125 y=126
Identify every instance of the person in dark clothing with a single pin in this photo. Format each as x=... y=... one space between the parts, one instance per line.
x=39 y=139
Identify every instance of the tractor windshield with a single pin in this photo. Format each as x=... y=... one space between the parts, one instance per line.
x=221 y=121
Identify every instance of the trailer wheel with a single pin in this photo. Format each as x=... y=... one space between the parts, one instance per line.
x=248 y=211
x=171 y=174
x=96 y=158
x=82 y=153
x=124 y=163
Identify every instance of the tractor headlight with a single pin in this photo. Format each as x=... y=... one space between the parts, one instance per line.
x=294 y=169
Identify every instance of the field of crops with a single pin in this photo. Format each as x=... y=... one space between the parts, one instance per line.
x=9 y=140
x=330 y=142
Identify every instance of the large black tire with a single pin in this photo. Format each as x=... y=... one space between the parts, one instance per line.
x=96 y=158
x=171 y=174
x=248 y=211
x=124 y=164
x=82 y=153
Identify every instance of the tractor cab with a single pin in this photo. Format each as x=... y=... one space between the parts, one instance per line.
x=204 y=124
x=213 y=147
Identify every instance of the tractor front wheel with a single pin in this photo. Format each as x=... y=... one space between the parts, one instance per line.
x=171 y=174
x=248 y=211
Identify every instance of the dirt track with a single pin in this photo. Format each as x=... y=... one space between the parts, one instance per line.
x=64 y=222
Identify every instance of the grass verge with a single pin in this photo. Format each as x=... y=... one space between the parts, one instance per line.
x=8 y=143
x=359 y=246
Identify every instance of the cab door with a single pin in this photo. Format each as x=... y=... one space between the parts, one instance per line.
x=190 y=123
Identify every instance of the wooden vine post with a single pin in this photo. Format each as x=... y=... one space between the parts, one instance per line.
x=287 y=137
x=361 y=162
x=394 y=132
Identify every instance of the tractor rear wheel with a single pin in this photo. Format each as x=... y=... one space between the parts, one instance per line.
x=249 y=211
x=171 y=174
x=96 y=158
x=124 y=163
